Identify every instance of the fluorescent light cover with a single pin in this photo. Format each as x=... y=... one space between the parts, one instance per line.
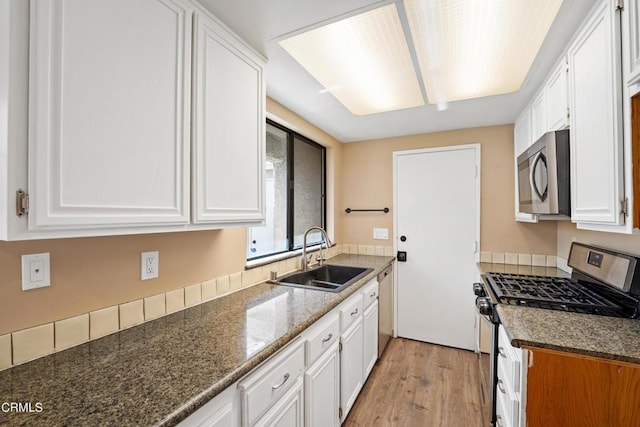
x=363 y=61
x=470 y=48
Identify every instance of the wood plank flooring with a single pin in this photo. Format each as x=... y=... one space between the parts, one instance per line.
x=419 y=384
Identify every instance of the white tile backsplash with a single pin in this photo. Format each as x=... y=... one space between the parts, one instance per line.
x=154 y=307
x=485 y=256
x=103 y=322
x=539 y=260
x=32 y=343
x=497 y=258
x=209 y=289
x=192 y=295
x=71 y=332
x=5 y=351
x=524 y=259
x=510 y=258
x=131 y=314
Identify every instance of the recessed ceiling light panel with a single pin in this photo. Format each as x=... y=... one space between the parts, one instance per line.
x=363 y=61
x=469 y=48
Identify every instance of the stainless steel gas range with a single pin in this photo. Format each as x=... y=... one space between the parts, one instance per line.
x=603 y=282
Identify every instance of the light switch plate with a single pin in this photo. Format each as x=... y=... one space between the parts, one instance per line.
x=36 y=271
x=381 y=233
x=149 y=265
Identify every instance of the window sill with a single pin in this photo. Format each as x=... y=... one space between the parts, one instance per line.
x=279 y=257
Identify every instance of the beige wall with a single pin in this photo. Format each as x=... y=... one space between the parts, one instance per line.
x=367 y=182
x=91 y=273
x=567 y=232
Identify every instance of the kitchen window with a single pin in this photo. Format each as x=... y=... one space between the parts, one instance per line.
x=294 y=196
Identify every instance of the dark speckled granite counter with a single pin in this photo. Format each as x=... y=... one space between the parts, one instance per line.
x=161 y=371
x=589 y=335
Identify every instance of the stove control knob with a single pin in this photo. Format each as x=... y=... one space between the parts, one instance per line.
x=478 y=290
x=484 y=306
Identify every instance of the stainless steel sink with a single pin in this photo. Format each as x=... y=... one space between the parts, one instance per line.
x=329 y=278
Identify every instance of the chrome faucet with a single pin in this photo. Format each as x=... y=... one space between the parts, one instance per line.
x=305 y=261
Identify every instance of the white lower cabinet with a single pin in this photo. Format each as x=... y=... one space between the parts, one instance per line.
x=288 y=411
x=512 y=378
x=351 y=365
x=322 y=390
x=267 y=387
x=370 y=345
x=221 y=411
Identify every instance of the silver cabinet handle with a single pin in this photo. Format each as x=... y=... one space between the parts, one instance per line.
x=501 y=352
x=501 y=387
x=328 y=338
x=354 y=312
x=498 y=421
x=275 y=387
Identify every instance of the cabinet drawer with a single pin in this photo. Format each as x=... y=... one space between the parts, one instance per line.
x=270 y=381
x=508 y=361
x=369 y=293
x=507 y=395
x=350 y=311
x=321 y=336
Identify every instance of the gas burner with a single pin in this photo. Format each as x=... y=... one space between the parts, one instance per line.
x=554 y=293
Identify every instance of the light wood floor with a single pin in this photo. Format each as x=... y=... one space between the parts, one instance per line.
x=419 y=384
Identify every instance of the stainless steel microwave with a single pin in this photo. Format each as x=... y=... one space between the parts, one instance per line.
x=543 y=176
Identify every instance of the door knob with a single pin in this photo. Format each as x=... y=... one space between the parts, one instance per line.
x=403 y=238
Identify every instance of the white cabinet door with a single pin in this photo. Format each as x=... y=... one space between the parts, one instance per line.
x=634 y=40
x=538 y=116
x=322 y=390
x=351 y=361
x=596 y=131
x=370 y=350
x=109 y=113
x=288 y=411
x=221 y=411
x=522 y=141
x=228 y=128
x=557 y=98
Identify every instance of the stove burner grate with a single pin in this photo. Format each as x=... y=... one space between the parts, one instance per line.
x=550 y=293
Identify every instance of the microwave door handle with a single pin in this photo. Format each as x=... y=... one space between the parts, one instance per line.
x=532 y=170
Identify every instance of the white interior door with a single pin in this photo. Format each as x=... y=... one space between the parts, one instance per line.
x=437 y=210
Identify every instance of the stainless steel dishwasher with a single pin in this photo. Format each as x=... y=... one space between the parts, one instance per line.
x=385 y=307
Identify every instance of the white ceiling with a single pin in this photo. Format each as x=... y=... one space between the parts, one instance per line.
x=263 y=22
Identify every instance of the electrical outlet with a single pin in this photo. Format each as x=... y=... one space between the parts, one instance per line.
x=36 y=271
x=149 y=265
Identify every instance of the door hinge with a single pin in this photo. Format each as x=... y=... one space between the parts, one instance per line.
x=619 y=4
x=624 y=207
x=22 y=203
x=476 y=171
x=475 y=247
x=340 y=413
x=568 y=113
x=340 y=348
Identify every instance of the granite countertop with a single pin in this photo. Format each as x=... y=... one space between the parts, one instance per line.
x=160 y=372
x=597 y=336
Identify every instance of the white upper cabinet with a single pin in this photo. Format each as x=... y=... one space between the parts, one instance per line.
x=522 y=141
x=228 y=128
x=538 y=116
x=634 y=40
x=557 y=99
x=597 y=186
x=127 y=117
x=109 y=113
